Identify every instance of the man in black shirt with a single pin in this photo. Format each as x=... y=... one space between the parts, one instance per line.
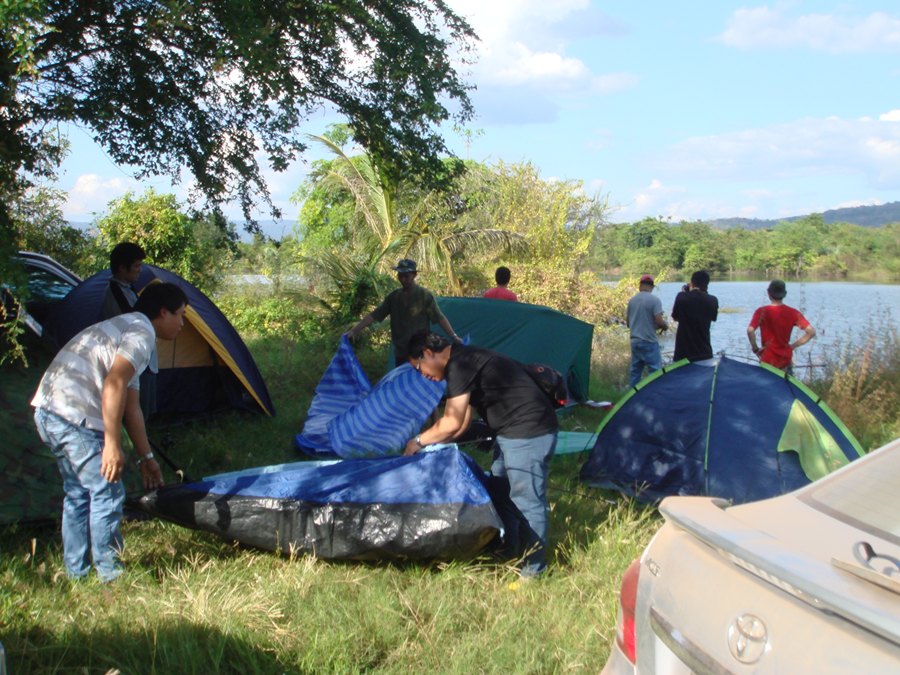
x=518 y=412
x=694 y=310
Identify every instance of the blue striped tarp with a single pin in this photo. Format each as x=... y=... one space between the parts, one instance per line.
x=350 y=418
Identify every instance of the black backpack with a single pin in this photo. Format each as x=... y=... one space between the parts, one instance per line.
x=550 y=381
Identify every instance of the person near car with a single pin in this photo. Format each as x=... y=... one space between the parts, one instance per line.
x=518 y=412
x=500 y=291
x=89 y=390
x=694 y=310
x=126 y=261
x=412 y=309
x=644 y=319
x=776 y=322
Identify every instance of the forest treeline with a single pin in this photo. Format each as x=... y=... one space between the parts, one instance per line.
x=803 y=248
x=356 y=220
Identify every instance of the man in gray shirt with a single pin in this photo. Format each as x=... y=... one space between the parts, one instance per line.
x=645 y=317
x=89 y=391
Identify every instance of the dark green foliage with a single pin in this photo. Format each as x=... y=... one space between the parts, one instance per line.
x=809 y=246
x=39 y=226
x=207 y=83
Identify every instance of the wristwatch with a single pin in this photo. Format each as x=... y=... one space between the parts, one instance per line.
x=419 y=441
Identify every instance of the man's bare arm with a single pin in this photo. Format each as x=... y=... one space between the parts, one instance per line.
x=808 y=334
x=112 y=404
x=455 y=420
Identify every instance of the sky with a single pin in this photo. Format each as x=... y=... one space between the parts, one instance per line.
x=680 y=110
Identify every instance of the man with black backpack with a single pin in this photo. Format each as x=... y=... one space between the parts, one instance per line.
x=521 y=415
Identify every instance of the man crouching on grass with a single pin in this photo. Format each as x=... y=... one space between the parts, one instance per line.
x=520 y=414
x=89 y=390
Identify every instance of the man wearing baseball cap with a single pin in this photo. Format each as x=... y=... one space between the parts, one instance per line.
x=412 y=309
x=645 y=318
x=776 y=322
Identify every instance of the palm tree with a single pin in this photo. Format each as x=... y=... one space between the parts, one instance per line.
x=424 y=227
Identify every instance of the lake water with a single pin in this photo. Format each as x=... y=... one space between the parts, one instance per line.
x=841 y=312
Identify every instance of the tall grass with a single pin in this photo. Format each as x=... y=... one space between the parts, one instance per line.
x=190 y=602
x=862 y=385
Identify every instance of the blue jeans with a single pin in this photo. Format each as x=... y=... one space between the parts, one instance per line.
x=524 y=463
x=643 y=354
x=92 y=508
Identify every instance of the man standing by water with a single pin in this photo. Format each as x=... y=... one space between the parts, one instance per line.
x=694 y=310
x=412 y=309
x=776 y=322
x=645 y=318
x=521 y=416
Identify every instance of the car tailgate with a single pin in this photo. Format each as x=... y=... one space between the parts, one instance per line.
x=711 y=599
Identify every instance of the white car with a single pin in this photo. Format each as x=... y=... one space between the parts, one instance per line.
x=808 y=582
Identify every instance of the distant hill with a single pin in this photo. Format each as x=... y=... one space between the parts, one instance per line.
x=866 y=216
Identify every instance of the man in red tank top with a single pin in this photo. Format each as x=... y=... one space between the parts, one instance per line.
x=776 y=322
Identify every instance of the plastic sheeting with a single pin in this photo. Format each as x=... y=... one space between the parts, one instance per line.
x=349 y=418
x=428 y=505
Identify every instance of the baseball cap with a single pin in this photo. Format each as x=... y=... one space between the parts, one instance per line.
x=647 y=279
x=405 y=265
x=777 y=289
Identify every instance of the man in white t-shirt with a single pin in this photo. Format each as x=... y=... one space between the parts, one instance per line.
x=87 y=393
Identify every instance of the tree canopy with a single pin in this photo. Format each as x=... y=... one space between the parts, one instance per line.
x=218 y=86
x=197 y=246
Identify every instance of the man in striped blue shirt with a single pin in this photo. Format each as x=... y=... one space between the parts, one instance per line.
x=87 y=393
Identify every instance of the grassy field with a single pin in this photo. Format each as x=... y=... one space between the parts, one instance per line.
x=192 y=603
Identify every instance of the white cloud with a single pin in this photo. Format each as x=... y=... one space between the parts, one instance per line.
x=891 y=116
x=852 y=203
x=766 y=27
x=521 y=44
x=805 y=147
x=92 y=193
x=648 y=200
x=547 y=69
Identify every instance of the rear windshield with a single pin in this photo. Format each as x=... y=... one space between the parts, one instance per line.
x=46 y=286
x=864 y=494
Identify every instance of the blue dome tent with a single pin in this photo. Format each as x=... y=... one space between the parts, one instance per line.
x=207 y=367
x=731 y=430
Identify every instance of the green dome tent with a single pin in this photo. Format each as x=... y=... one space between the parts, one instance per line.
x=527 y=333
x=730 y=430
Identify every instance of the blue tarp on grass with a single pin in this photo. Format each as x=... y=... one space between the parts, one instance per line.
x=349 y=418
x=428 y=505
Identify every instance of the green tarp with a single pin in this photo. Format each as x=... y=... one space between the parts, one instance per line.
x=527 y=333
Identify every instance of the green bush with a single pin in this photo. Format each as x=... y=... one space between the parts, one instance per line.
x=256 y=312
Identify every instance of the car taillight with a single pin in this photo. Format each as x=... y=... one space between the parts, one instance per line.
x=625 y=631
